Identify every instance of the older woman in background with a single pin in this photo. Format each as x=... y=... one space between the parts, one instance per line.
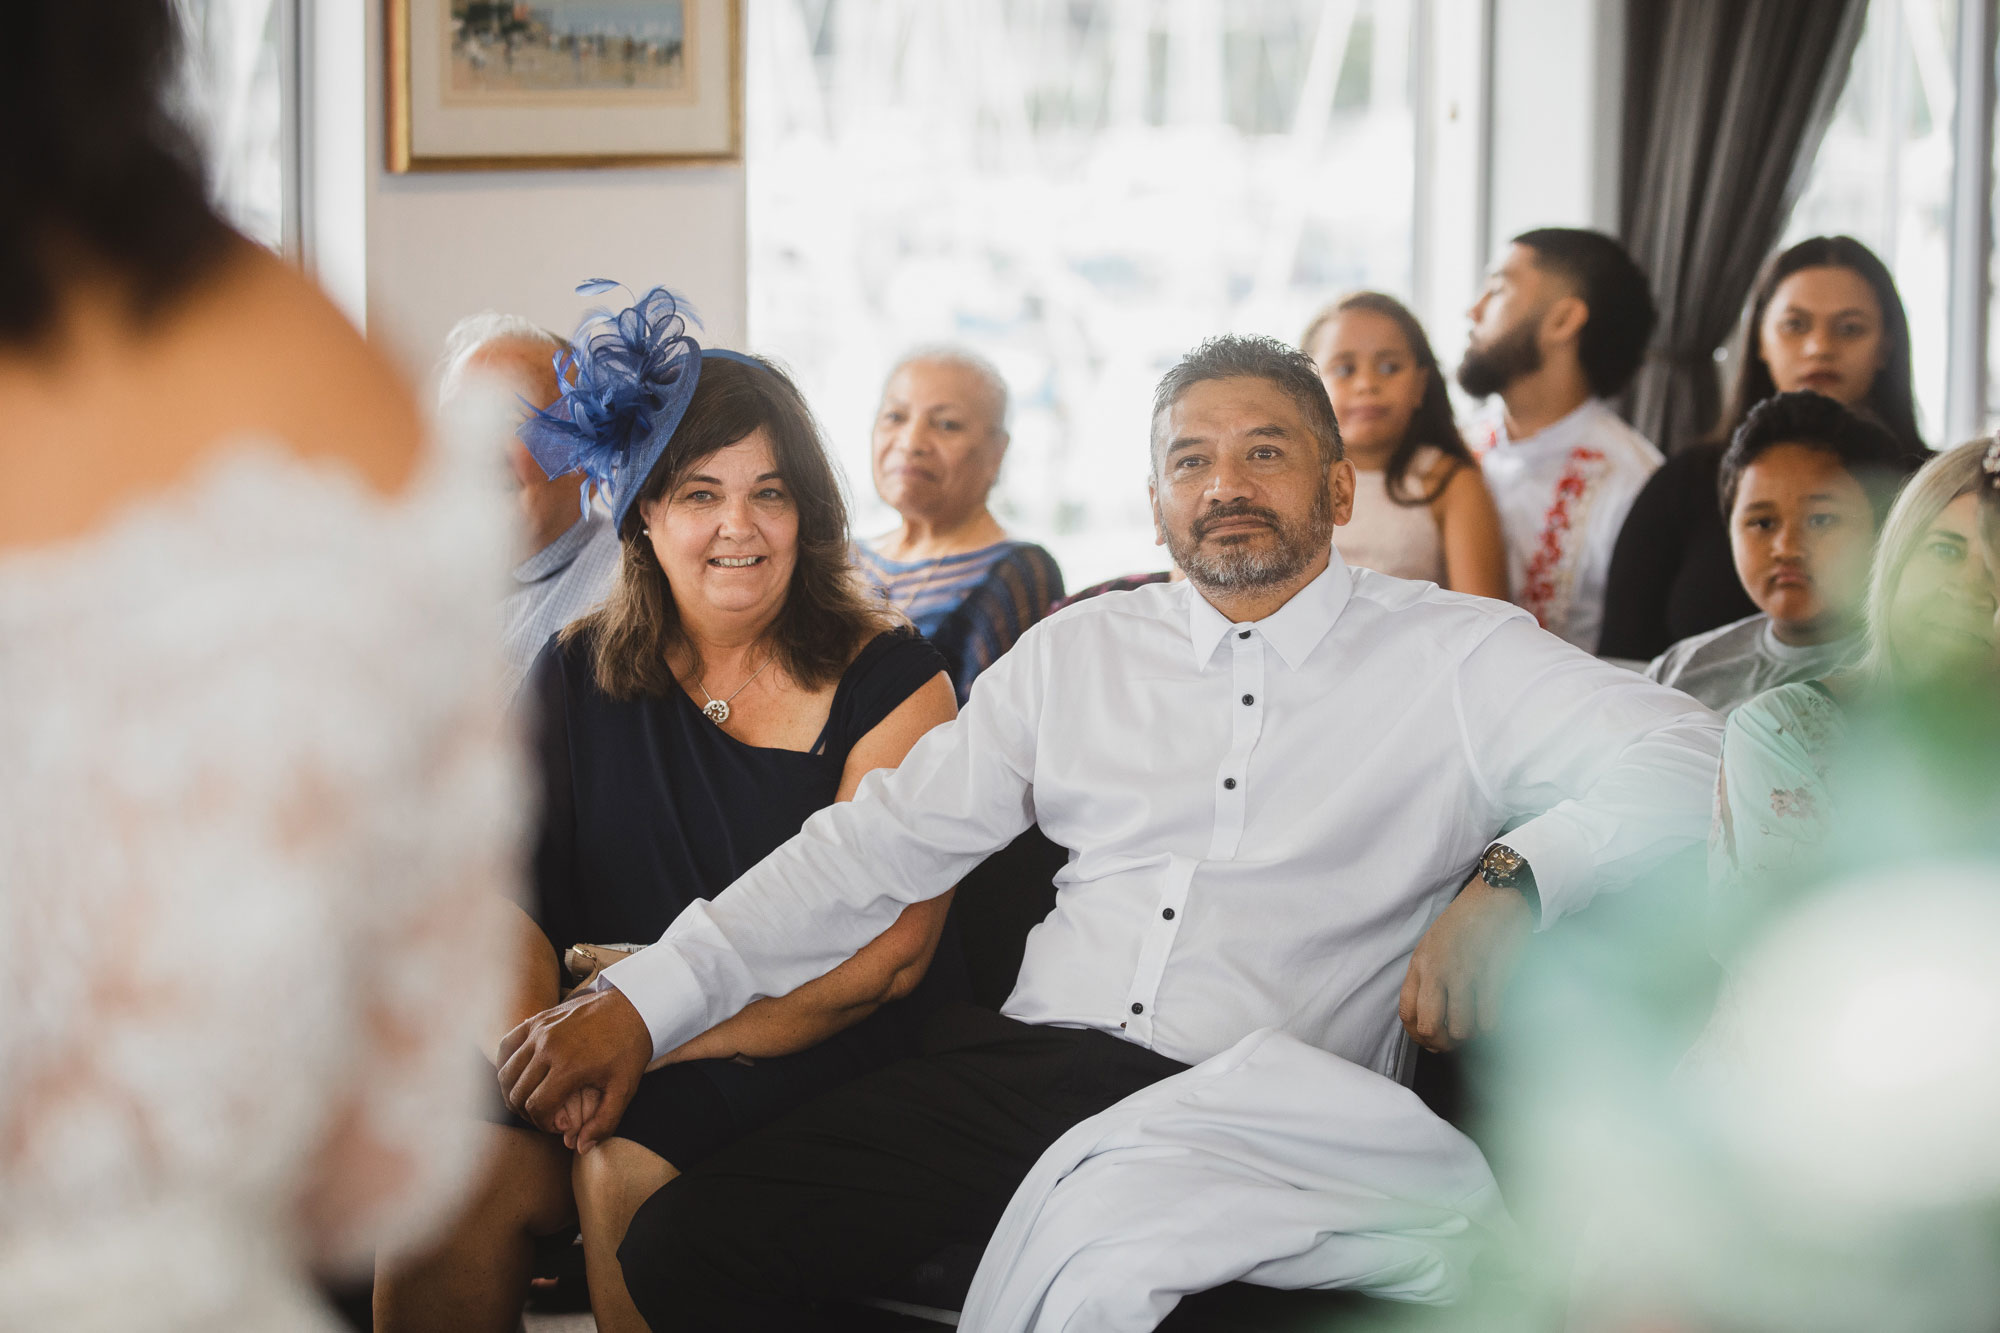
x=940 y=435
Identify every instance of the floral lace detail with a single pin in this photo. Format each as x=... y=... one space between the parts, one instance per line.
x=1551 y=576
x=258 y=783
x=1794 y=803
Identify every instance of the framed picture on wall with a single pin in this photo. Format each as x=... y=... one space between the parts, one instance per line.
x=495 y=85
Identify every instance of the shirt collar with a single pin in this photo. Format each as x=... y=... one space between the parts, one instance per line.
x=558 y=554
x=1800 y=654
x=1558 y=434
x=1294 y=629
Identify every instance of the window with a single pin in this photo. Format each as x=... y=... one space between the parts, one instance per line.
x=1081 y=190
x=234 y=93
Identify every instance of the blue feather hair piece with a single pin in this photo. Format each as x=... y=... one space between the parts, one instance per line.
x=627 y=377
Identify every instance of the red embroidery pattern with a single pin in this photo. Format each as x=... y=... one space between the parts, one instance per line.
x=1545 y=587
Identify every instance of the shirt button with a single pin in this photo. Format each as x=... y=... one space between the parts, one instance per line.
x=1249 y=699
x=1229 y=784
x=1243 y=634
x=1167 y=914
x=1138 y=1008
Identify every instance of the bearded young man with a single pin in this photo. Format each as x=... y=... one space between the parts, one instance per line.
x=1282 y=781
x=1560 y=327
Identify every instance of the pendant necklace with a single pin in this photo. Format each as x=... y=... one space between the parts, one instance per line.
x=717 y=710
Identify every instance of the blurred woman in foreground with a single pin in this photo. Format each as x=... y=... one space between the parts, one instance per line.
x=257 y=783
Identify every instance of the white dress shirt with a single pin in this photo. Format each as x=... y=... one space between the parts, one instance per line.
x=1563 y=494
x=1264 y=818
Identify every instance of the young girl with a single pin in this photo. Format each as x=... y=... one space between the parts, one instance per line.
x=1421 y=507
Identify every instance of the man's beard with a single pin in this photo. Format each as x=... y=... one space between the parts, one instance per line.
x=1487 y=370
x=1235 y=564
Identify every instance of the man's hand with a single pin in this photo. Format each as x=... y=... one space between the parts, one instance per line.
x=572 y=1069
x=1462 y=964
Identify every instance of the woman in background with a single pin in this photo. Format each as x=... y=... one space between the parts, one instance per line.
x=258 y=788
x=1824 y=315
x=940 y=435
x=1421 y=507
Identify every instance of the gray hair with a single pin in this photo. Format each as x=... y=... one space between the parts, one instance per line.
x=1235 y=356
x=473 y=332
x=950 y=354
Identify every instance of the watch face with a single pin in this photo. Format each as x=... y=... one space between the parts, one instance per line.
x=1501 y=863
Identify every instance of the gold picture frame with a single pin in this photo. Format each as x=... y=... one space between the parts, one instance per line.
x=445 y=112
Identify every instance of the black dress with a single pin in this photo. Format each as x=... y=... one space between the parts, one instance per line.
x=647 y=805
x=1672 y=572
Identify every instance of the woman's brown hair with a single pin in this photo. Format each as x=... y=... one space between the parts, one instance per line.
x=827 y=615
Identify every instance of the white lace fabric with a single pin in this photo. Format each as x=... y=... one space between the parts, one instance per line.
x=257 y=781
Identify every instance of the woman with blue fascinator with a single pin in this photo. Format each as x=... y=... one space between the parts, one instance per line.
x=739 y=678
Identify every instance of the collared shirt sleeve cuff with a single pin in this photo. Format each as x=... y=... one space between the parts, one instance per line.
x=1565 y=877
x=662 y=987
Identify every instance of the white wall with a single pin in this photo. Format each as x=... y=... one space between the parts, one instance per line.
x=407 y=255
x=1558 y=76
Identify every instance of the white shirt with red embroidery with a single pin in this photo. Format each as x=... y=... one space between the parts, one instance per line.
x=1563 y=493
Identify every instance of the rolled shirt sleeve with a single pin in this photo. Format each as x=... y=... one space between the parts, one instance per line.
x=1609 y=772
x=963 y=792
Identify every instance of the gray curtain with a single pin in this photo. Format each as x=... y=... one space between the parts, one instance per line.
x=1725 y=104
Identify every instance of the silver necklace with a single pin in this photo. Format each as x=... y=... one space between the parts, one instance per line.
x=717 y=710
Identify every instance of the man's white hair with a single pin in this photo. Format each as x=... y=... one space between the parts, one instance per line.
x=481 y=330
x=951 y=354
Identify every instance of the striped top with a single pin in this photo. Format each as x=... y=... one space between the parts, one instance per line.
x=972 y=606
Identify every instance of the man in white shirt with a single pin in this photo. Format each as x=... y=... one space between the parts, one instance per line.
x=1275 y=776
x=573 y=553
x=1561 y=326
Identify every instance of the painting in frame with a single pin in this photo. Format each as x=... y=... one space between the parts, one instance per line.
x=494 y=85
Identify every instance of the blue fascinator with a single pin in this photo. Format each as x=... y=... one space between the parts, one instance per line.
x=627 y=378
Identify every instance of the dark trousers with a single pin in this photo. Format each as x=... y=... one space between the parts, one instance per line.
x=851 y=1191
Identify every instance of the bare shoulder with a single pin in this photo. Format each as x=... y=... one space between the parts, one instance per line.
x=304 y=372
x=1453 y=480
x=254 y=351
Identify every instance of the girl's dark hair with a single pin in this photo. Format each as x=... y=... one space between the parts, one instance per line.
x=95 y=171
x=1889 y=399
x=828 y=613
x=1432 y=423
x=1868 y=451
